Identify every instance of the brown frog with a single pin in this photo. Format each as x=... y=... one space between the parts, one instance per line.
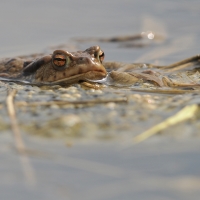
x=62 y=67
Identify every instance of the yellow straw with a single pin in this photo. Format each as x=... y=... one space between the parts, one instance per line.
x=184 y=114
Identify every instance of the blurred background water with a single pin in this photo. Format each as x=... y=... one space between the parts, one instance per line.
x=31 y=26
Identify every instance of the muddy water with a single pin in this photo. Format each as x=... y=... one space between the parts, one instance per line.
x=86 y=150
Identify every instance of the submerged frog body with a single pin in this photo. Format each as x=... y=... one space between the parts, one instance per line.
x=61 y=67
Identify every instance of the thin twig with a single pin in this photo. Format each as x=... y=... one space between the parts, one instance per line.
x=166 y=90
x=183 y=62
x=186 y=113
x=86 y=102
x=20 y=146
x=14 y=124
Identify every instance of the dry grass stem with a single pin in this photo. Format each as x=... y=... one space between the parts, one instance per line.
x=20 y=146
x=186 y=113
x=86 y=102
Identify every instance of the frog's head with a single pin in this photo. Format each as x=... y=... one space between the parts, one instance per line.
x=63 y=67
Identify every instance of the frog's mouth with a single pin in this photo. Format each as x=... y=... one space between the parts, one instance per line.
x=92 y=72
x=91 y=76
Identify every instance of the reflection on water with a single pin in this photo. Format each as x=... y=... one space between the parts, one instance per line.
x=150 y=35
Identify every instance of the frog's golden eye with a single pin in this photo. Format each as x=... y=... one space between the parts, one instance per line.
x=101 y=56
x=60 y=61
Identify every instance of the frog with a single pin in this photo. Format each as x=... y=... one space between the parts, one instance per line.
x=88 y=66
x=60 y=67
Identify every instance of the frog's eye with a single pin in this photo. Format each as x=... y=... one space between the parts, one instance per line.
x=101 y=56
x=60 y=61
